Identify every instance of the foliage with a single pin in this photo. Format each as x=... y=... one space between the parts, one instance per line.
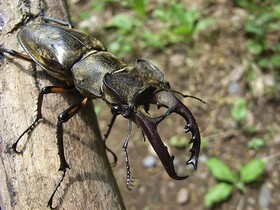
x=256 y=143
x=239 y=109
x=166 y=24
x=178 y=142
x=228 y=179
x=262 y=28
x=177 y=25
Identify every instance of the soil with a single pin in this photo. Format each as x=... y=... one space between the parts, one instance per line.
x=214 y=69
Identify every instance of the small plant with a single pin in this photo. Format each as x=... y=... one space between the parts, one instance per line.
x=135 y=27
x=177 y=25
x=178 y=142
x=165 y=25
x=262 y=27
x=228 y=179
x=125 y=25
x=256 y=143
x=239 y=109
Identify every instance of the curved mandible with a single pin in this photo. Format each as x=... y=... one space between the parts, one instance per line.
x=167 y=99
x=149 y=127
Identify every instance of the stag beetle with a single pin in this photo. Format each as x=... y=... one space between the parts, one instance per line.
x=85 y=64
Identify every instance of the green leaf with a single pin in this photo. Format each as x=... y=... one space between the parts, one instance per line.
x=220 y=171
x=253 y=27
x=203 y=24
x=178 y=142
x=204 y=144
x=84 y=15
x=264 y=63
x=189 y=17
x=217 y=194
x=252 y=171
x=139 y=7
x=276 y=11
x=277 y=47
x=123 y=21
x=240 y=186
x=97 y=109
x=98 y=6
x=114 y=46
x=255 y=143
x=275 y=60
x=254 y=47
x=239 y=109
x=150 y=39
x=182 y=30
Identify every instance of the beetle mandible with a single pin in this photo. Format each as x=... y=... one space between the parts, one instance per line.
x=85 y=64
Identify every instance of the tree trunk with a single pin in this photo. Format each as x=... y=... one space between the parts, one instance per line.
x=28 y=179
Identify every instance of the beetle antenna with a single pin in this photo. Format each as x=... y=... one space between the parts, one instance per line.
x=128 y=173
x=189 y=96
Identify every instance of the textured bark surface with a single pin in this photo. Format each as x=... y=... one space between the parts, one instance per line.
x=28 y=179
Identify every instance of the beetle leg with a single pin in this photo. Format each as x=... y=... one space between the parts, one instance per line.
x=110 y=125
x=58 y=21
x=16 y=54
x=62 y=118
x=54 y=191
x=50 y=19
x=128 y=173
x=44 y=91
x=173 y=104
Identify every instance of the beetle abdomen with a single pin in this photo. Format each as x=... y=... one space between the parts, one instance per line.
x=53 y=48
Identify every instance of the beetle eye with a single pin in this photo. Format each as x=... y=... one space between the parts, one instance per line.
x=115 y=109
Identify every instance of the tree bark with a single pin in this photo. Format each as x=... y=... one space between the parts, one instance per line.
x=28 y=179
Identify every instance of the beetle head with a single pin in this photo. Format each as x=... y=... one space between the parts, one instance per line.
x=127 y=89
x=130 y=92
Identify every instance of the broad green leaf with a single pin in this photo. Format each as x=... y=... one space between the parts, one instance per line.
x=253 y=27
x=182 y=30
x=220 y=170
x=239 y=109
x=251 y=171
x=123 y=21
x=217 y=194
x=254 y=47
x=255 y=143
x=276 y=12
x=139 y=6
x=275 y=60
x=264 y=63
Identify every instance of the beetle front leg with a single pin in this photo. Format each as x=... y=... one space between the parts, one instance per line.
x=62 y=118
x=128 y=173
x=44 y=91
x=110 y=125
